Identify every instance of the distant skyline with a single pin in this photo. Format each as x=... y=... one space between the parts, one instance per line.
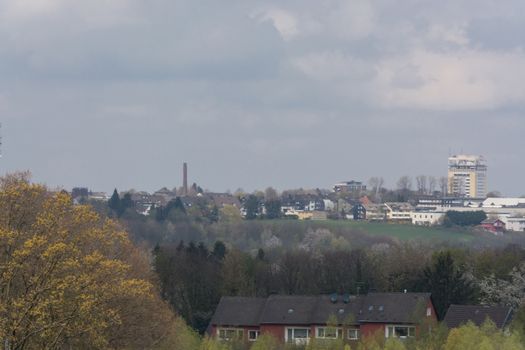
x=254 y=94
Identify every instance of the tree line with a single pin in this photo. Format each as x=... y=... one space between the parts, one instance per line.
x=193 y=278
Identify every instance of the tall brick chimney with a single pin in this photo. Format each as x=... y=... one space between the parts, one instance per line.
x=185 y=178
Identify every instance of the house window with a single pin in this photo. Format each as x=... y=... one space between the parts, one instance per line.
x=429 y=312
x=400 y=331
x=329 y=332
x=230 y=333
x=253 y=335
x=297 y=335
x=353 y=333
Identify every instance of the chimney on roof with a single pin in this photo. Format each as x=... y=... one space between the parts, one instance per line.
x=185 y=178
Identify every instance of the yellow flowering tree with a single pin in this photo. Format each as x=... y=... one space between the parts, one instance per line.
x=69 y=278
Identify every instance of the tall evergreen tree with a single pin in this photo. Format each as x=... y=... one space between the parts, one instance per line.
x=219 y=250
x=252 y=207
x=273 y=208
x=114 y=202
x=447 y=283
x=126 y=202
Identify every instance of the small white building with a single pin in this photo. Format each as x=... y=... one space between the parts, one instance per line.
x=515 y=224
x=426 y=218
x=398 y=211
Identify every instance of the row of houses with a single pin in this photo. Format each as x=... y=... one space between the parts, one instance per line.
x=505 y=214
x=297 y=319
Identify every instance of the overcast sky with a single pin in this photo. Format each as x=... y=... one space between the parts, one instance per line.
x=288 y=93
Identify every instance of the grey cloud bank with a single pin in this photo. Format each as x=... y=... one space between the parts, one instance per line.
x=255 y=94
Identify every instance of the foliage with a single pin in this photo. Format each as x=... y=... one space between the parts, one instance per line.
x=120 y=205
x=447 y=283
x=273 y=208
x=252 y=207
x=174 y=211
x=394 y=344
x=509 y=292
x=518 y=320
x=469 y=336
x=229 y=214
x=69 y=278
x=325 y=344
x=114 y=201
x=375 y=341
x=190 y=281
x=266 y=342
x=466 y=218
x=486 y=337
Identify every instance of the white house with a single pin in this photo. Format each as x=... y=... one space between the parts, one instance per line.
x=515 y=224
x=426 y=218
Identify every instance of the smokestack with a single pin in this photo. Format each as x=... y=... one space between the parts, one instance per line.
x=185 y=178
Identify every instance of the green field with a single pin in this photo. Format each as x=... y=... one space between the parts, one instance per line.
x=360 y=231
x=405 y=231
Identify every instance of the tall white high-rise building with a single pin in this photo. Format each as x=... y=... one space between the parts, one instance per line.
x=467 y=176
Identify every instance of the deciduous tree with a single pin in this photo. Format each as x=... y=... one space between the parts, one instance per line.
x=69 y=278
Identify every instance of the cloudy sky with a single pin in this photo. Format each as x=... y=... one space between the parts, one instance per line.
x=288 y=93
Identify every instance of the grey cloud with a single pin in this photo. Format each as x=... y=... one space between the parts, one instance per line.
x=498 y=33
x=120 y=96
x=204 y=41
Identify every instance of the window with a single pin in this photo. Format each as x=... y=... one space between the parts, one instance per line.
x=429 y=312
x=230 y=333
x=400 y=332
x=297 y=335
x=253 y=335
x=353 y=333
x=329 y=332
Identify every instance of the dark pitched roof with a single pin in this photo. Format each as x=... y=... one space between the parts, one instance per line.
x=288 y=309
x=238 y=311
x=307 y=310
x=460 y=314
x=393 y=307
x=344 y=310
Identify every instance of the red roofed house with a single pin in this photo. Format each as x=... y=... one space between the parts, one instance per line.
x=296 y=319
x=495 y=226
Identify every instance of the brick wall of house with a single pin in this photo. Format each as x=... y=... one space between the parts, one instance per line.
x=371 y=329
x=276 y=331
